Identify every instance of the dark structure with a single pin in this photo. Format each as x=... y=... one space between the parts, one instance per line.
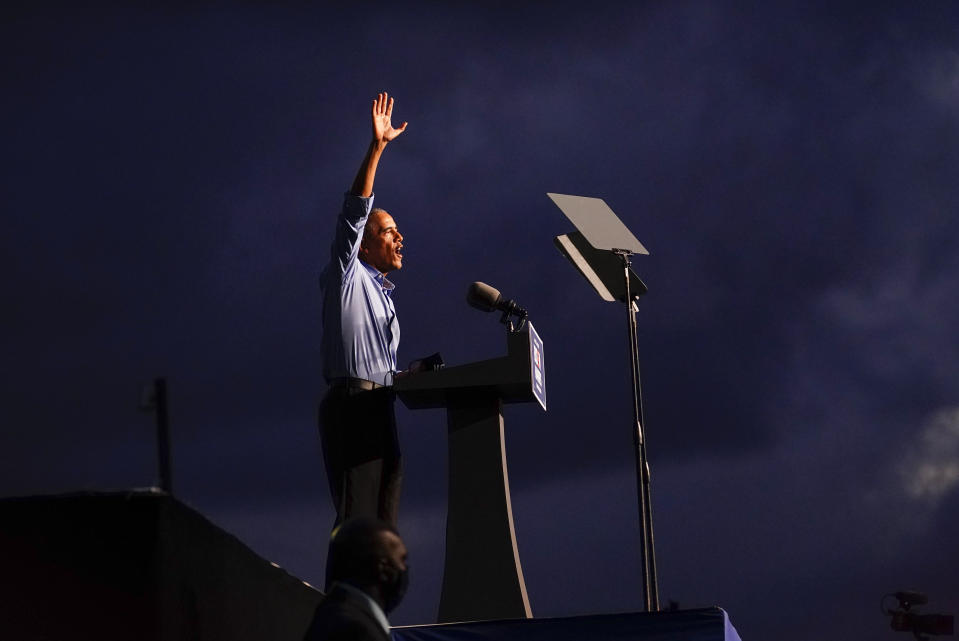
x=137 y=565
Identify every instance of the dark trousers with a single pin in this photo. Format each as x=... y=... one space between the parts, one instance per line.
x=361 y=452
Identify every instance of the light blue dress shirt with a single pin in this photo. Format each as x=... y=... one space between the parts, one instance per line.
x=360 y=330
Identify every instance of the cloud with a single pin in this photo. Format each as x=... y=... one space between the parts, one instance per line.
x=939 y=76
x=930 y=467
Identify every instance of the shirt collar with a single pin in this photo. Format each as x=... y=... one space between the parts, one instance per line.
x=380 y=279
x=371 y=605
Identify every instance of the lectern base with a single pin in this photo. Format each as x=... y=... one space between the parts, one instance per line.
x=483 y=578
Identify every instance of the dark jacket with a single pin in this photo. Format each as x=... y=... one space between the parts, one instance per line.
x=342 y=616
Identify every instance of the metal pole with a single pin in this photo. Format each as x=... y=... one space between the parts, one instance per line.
x=648 y=538
x=650 y=591
x=163 y=435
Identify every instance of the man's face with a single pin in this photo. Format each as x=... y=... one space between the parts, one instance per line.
x=382 y=243
x=395 y=550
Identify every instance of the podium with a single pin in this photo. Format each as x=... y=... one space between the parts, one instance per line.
x=482 y=576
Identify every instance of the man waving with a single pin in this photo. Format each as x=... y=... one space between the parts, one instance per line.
x=360 y=338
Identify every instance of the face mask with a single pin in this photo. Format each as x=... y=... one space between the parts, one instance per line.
x=394 y=592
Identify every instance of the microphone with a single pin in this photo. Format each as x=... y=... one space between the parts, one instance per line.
x=488 y=299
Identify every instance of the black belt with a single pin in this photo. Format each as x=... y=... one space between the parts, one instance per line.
x=354 y=384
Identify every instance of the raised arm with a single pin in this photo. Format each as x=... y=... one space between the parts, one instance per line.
x=383 y=134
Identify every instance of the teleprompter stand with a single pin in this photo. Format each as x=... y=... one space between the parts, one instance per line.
x=601 y=251
x=482 y=576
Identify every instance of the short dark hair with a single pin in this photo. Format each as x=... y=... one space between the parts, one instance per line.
x=367 y=230
x=356 y=547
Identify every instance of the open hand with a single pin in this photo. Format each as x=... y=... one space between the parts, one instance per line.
x=383 y=130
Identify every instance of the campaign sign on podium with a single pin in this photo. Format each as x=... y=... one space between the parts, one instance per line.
x=538 y=372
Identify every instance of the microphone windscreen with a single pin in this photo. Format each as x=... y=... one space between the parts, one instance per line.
x=482 y=296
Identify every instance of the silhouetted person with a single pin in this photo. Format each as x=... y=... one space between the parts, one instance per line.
x=366 y=577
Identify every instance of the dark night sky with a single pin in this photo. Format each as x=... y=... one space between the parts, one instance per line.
x=170 y=182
